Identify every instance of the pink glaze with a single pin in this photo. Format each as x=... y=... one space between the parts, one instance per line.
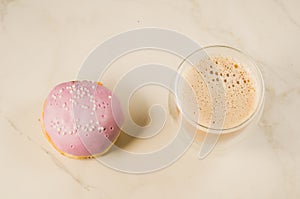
x=78 y=118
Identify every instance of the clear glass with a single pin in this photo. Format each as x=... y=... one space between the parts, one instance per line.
x=182 y=102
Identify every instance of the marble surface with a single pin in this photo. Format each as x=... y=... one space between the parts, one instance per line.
x=43 y=43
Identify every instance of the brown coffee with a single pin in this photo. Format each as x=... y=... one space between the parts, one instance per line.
x=239 y=88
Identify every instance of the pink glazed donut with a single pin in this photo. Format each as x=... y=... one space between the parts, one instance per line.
x=78 y=119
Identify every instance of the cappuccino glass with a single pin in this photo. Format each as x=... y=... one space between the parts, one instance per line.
x=218 y=90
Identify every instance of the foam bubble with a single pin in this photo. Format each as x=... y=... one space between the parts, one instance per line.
x=238 y=84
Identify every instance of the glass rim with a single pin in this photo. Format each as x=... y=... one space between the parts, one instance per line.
x=260 y=99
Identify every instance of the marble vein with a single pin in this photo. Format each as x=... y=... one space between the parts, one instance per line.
x=217 y=30
x=290 y=91
x=52 y=156
x=287 y=14
x=60 y=165
x=265 y=124
x=12 y=125
x=286 y=159
x=268 y=126
x=293 y=73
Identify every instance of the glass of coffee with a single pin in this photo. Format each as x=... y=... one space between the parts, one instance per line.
x=218 y=90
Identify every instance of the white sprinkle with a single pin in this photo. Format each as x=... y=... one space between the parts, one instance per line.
x=60 y=91
x=84 y=107
x=109 y=97
x=53 y=96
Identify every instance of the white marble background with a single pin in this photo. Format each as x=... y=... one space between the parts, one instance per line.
x=43 y=43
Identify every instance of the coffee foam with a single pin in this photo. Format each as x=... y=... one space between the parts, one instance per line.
x=239 y=89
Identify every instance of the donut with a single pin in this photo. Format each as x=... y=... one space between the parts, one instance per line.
x=78 y=120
